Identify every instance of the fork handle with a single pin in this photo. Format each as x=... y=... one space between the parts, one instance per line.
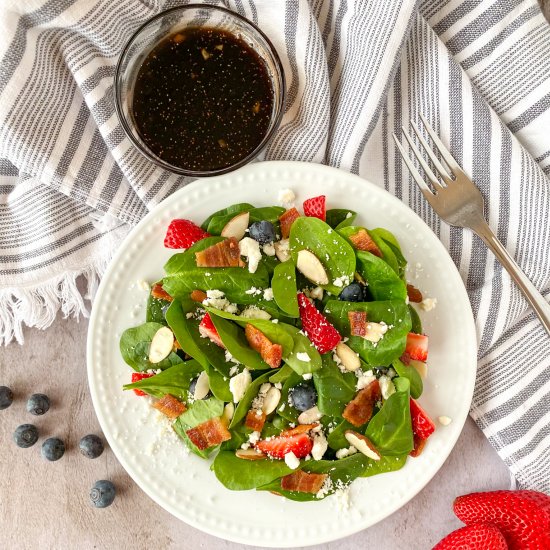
x=533 y=296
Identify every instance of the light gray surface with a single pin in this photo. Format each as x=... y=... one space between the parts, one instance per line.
x=45 y=505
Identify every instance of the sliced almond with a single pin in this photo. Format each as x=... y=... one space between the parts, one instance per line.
x=161 y=345
x=420 y=366
x=249 y=454
x=311 y=267
x=348 y=357
x=237 y=226
x=375 y=331
x=282 y=250
x=228 y=412
x=202 y=386
x=310 y=416
x=362 y=444
x=271 y=400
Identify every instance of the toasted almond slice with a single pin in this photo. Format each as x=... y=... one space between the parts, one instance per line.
x=161 y=345
x=310 y=416
x=271 y=400
x=237 y=226
x=420 y=366
x=362 y=444
x=311 y=267
x=228 y=412
x=202 y=386
x=349 y=358
x=249 y=454
x=282 y=250
x=375 y=331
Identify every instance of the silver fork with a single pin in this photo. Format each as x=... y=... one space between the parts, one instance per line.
x=457 y=200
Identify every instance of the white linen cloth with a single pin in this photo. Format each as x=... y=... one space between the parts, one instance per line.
x=71 y=184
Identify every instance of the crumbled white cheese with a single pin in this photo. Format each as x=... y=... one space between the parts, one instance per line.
x=254 y=312
x=320 y=446
x=250 y=249
x=307 y=376
x=444 y=420
x=348 y=215
x=364 y=378
x=316 y=293
x=268 y=294
x=215 y=294
x=253 y=291
x=292 y=461
x=230 y=359
x=342 y=453
x=143 y=285
x=233 y=370
x=302 y=356
x=286 y=197
x=427 y=304
x=282 y=249
x=326 y=488
x=278 y=385
x=216 y=298
x=341 y=281
x=375 y=332
x=268 y=249
x=239 y=384
x=387 y=387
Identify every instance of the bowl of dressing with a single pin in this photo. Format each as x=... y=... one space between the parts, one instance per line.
x=199 y=90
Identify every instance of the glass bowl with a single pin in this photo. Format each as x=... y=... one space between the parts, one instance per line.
x=175 y=20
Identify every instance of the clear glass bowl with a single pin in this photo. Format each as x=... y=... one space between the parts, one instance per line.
x=176 y=20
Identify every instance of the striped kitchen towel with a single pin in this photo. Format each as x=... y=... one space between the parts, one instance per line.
x=71 y=184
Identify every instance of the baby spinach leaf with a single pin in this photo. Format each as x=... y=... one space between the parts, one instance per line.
x=183 y=261
x=415 y=319
x=134 y=348
x=270 y=263
x=336 y=439
x=239 y=435
x=284 y=288
x=281 y=374
x=334 y=252
x=411 y=374
x=393 y=244
x=234 y=209
x=241 y=475
x=155 y=310
x=288 y=411
x=245 y=403
x=394 y=313
x=385 y=464
x=267 y=213
x=383 y=282
x=175 y=381
x=302 y=345
x=334 y=388
x=340 y=217
x=219 y=384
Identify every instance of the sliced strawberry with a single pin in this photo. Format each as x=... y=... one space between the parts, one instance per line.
x=315 y=207
x=482 y=536
x=286 y=220
x=278 y=447
x=422 y=425
x=317 y=328
x=208 y=330
x=183 y=234
x=303 y=482
x=136 y=377
x=417 y=346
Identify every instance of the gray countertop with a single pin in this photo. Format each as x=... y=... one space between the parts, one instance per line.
x=45 y=505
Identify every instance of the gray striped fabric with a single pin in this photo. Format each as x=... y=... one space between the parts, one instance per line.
x=71 y=184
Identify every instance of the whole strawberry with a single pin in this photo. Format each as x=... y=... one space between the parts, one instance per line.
x=315 y=207
x=183 y=234
x=523 y=517
x=480 y=536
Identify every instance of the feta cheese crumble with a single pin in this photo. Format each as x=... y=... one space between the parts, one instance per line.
x=302 y=356
x=427 y=304
x=286 y=197
x=216 y=298
x=268 y=294
x=250 y=249
x=254 y=312
x=292 y=461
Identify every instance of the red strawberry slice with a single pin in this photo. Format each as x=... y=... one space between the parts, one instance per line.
x=315 y=207
x=323 y=335
x=523 y=517
x=422 y=425
x=481 y=536
x=417 y=346
x=208 y=330
x=136 y=377
x=183 y=234
x=278 y=447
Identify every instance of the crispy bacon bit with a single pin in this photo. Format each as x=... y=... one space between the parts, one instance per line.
x=286 y=220
x=303 y=482
x=363 y=241
x=271 y=353
x=208 y=434
x=198 y=296
x=359 y=410
x=176 y=345
x=358 y=323
x=255 y=420
x=170 y=406
x=158 y=292
x=223 y=254
x=414 y=294
x=300 y=429
x=419 y=445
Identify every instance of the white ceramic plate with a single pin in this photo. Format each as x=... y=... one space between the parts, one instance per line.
x=182 y=483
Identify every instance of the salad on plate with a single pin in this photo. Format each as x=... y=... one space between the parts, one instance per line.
x=286 y=346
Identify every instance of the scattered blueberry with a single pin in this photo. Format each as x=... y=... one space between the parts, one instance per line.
x=102 y=493
x=25 y=435
x=91 y=446
x=53 y=449
x=263 y=232
x=6 y=397
x=352 y=293
x=303 y=396
x=38 y=404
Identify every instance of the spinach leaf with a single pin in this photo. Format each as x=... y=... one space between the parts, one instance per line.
x=183 y=261
x=394 y=313
x=284 y=288
x=244 y=404
x=383 y=282
x=281 y=374
x=134 y=348
x=385 y=464
x=241 y=475
x=387 y=253
x=390 y=429
x=175 y=381
x=239 y=435
x=288 y=412
x=270 y=263
x=302 y=345
x=219 y=384
x=267 y=213
x=393 y=244
x=234 y=209
x=337 y=440
x=340 y=217
x=415 y=319
x=334 y=252
x=334 y=388
x=155 y=310
x=411 y=374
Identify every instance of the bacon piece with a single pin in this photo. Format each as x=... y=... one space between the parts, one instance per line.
x=223 y=254
x=198 y=296
x=255 y=420
x=158 y=292
x=300 y=429
x=419 y=445
x=170 y=406
x=208 y=434
x=414 y=294
x=303 y=482
x=271 y=353
x=363 y=241
x=286 y=220
x=359 y=410
x=358 y=323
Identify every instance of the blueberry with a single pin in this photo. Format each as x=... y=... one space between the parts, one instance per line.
x=38 y=404
x=53 y=449
x=352 y=293
x=263 y=232
x=102 y=493
x=25 y=435
x=303 y=396
x=91 y=446
x=6 y=397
